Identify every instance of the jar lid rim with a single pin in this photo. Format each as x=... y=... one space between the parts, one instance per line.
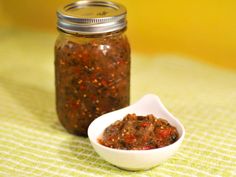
x=91 y=17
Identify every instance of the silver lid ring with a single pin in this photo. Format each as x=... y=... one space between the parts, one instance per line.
x=91 y=17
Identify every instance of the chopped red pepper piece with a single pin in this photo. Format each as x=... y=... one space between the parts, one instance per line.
x=147 y=147
x=165 y=132
x=145 y=124
x=130 y=138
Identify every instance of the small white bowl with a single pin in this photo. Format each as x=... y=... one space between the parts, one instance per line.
x=135 y=159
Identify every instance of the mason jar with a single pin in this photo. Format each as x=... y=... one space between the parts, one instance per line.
x=92 y=62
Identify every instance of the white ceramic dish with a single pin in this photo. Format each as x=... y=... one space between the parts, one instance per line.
x=135 y=159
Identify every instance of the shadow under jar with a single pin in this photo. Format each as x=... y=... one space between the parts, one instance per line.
x=92 y=63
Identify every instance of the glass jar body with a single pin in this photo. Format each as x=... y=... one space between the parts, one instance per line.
x=92 y=75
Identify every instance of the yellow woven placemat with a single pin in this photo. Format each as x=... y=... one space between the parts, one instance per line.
x=33 y=143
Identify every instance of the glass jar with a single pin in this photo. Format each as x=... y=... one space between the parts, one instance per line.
x=92 y=63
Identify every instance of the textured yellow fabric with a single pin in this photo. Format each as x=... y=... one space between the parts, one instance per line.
x=33 y=143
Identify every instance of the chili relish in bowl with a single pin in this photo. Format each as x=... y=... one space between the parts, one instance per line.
x=139 y=133
x=139 y=141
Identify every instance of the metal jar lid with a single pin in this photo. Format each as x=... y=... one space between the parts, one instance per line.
x=91 y=17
